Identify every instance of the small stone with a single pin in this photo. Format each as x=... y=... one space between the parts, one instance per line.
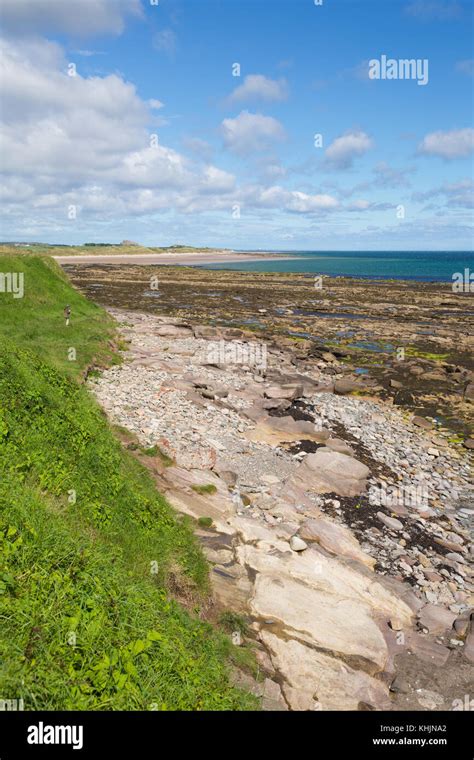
x=297 y=544
x=390 y=522
x=399 y=686
x=422 y=422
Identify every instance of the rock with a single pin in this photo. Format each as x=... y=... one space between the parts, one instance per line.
x=469 y=648
x=273 y=700
x=433 y=452
x=426 y=649
x=396 y=384
x=337 y=444
x=399 y=686
x=207 y=333
x=335 y=538
x=315 y=681
x=430 y=700
x=390 y=522
x=329 y=471
x=436 y=619
x=328 y=603
x=469 y=443
x=276 y=403
x=174 y=331
x=461 y=626
x=469 y=391
x=297 y=544
x=346 y=385
x=283 y=391
x=228 y=476
x=423 y=423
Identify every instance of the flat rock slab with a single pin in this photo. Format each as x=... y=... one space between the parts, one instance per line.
x=335 y=538
x=436 y=619
x=314 y=681
x=329 y=471
x=339 y=625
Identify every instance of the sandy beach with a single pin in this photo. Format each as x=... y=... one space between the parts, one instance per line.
x=185 y=259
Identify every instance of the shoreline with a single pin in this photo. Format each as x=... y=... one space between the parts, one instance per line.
x=171 y=259
x=291 y=513
x=359 y=323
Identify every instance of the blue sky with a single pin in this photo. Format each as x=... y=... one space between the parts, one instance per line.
x=154 y=139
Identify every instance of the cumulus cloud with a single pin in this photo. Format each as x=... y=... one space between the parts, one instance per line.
x=250 y=132
x=87 y=142
x=457 y=143
x=454 y=194
x=386 y=176
x=343 y=150
x=259 y=87
x=80 y=18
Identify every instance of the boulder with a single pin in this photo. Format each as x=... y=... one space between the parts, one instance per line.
x=207 y=332
x=283 y=391
x=422 y=423
x=346 y=385
x=328 y=471
x=174 y=331
x=469 y=647
x=336 y=539
x=436 y=619
x=337 y=444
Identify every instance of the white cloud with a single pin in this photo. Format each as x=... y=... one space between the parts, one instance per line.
x=87 y=142
x=454 y=194
x=457 y=143
x=343 y=150
x=259 y=87
x=80 y=18
x=250 y=132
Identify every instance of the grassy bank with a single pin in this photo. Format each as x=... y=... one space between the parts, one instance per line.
x=98 y=249
x=88 y=548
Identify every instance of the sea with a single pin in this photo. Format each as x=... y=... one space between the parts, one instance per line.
x=427 y=266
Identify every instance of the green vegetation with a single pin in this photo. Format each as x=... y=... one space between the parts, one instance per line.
x=209 y=488
x=91 y=556
x=97 y=249
x=412 y=351
x=205 y=522
x=155 y=451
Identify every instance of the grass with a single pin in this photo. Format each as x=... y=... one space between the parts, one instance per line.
x=89 y=550
x=208 y=488
x=97 y=249
x=156 y=451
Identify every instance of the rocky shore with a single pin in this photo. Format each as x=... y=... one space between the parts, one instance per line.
x=335 y=523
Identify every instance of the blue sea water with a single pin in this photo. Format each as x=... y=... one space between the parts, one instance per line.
x=429 y=266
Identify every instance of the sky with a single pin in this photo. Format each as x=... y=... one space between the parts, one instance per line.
x=243 y=124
